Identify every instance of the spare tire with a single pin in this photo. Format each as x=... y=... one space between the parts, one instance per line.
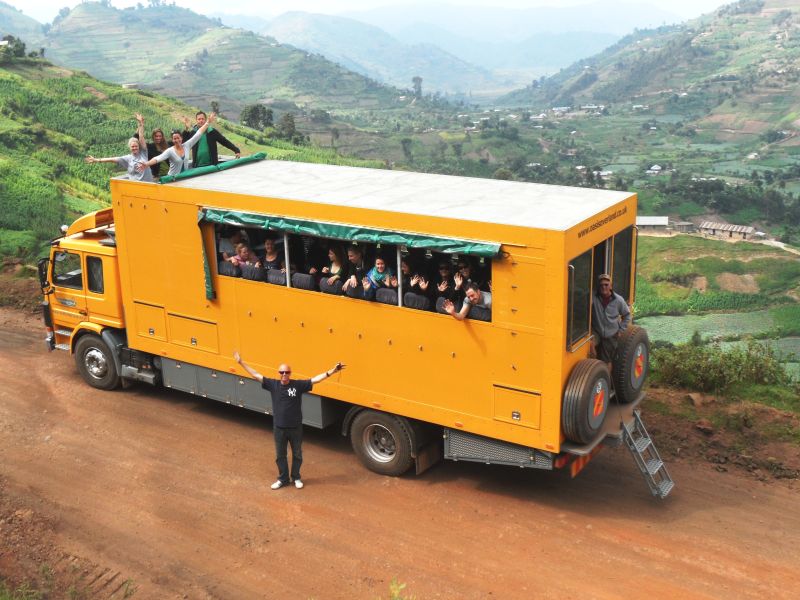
x=585 y=401
x=631 y=364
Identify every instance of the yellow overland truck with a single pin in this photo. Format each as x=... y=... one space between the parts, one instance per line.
x=142 y=292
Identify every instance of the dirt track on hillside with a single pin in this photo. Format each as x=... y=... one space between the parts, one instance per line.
x=160 y=494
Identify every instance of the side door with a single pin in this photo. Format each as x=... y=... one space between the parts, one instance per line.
x=69 y=293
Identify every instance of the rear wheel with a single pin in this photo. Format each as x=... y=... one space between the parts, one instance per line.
x=586 y=401
x=382 y=442
x=632 y=363
x=96 y=363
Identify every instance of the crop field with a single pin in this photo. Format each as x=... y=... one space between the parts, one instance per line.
x=778 y=322
x=714 y=326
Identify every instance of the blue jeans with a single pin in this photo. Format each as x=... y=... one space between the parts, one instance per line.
x=283 y=437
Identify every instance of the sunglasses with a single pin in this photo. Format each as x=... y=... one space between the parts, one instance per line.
x=284 y=372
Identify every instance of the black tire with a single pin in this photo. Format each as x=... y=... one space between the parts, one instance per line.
x=382 y=442
x=95 y=363
x=631 y=364
x=586 y=401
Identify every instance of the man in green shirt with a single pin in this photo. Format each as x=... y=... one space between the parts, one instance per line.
x=204 y=152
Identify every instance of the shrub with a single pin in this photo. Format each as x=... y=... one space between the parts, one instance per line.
x=712 y=369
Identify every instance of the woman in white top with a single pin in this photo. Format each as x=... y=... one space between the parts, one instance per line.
x=134 y=162
x=179 y=154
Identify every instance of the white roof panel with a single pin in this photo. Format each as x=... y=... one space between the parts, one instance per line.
x=467 y=198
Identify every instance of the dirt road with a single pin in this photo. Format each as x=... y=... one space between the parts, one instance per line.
x=157 y=494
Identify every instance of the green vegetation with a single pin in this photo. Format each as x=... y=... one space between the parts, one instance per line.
x=690 y=274
x=708 y=368
x=50 y=119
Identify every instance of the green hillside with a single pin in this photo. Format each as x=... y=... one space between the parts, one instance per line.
x=51 y=118
x=371 y=51
x=178 y=52
x=13 y=22
x=733 y=73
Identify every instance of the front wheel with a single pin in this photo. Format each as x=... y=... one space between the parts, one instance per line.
x=96 y=363
x=382 y=442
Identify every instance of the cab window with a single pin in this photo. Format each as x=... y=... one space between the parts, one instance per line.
x=94 y=274
x=67 y=270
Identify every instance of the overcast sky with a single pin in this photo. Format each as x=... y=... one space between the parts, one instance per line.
x=45 y=10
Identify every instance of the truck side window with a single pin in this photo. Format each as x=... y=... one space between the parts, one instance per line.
x=580 y=297
x=94 y=273
x=623 y=256
x=67 y=270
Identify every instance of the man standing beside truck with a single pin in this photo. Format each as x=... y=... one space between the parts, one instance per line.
x=611 y=317
x=287 y=397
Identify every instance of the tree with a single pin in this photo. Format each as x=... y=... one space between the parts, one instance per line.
x=286 y=128
x=417 y=81
x=269 y=118
x=334 y=136
x=254 y=116
x=503 y=173
x=458 y=149
x=215 y=108
x=406 y=144
x=15 y=48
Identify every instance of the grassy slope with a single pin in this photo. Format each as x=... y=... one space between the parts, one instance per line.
x=50 y=118
x=668 y=269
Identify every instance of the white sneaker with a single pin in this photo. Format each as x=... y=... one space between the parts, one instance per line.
x=277 y=485
x=298 y=484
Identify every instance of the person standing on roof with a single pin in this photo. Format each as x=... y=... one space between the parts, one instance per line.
x=178 y=153
x=287 y=397
x=611 y=317
x=131 y=162
x=204 y=153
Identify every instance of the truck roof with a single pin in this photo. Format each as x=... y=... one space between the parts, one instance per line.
x=534 y=205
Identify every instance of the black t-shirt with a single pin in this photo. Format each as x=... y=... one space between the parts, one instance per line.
x=286 y=400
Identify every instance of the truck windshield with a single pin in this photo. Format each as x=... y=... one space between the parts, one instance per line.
x=67 y=270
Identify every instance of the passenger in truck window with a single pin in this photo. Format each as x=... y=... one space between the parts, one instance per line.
x=444 y=284
x=379 y=276
x=413 y=280
x=464 y=275
x=474 y=296
x=227 y=246
x=244 y=256
x=272 y=258
x=356 y=268
x=131 y=162
x=336 y=269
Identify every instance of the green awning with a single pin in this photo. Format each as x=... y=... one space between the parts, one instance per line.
x=228 y=164
x=351 y=233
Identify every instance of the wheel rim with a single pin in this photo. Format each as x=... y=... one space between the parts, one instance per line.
x=639 y=366
x=379 y=443
x=95 y=362
x=598 y=403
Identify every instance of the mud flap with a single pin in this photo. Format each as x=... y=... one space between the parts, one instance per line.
x=427 y=456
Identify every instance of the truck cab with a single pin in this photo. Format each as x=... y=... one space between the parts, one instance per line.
x=80 y=281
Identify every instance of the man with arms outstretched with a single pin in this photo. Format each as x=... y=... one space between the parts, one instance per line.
x=287 y=396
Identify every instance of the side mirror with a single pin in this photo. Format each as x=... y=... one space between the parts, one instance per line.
x=43 y=265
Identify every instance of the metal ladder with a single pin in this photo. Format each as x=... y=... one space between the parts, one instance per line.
x=647 y=458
